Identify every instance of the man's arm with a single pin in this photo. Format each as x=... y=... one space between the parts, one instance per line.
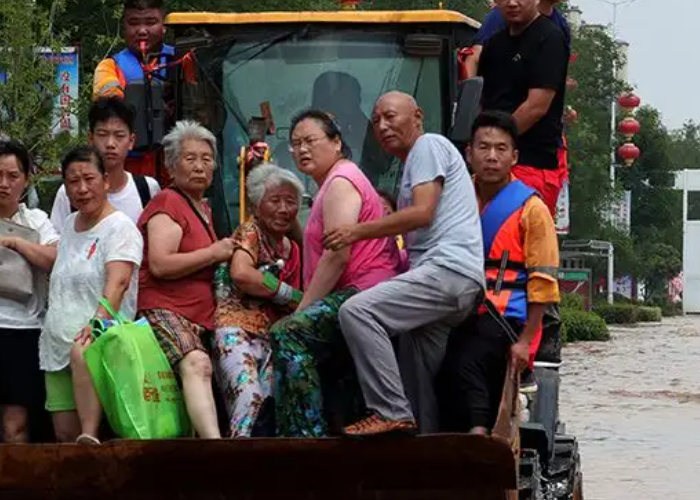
x=425 y=171
x=493 y=23
x=546 y=75
x=419 y=215
x=542 y=262
x=472 y=61
x=541 y=253
x=107 y=81
x=426 y=197
x=533 y=109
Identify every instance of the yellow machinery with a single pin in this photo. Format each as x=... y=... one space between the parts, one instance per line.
x=244 y=77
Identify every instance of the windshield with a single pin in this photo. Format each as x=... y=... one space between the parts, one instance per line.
x=342 y=72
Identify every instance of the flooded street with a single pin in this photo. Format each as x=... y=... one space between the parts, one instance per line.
x=634 y=404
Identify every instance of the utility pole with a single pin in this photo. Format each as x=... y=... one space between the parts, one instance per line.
x=615 y=4
x=613 y=104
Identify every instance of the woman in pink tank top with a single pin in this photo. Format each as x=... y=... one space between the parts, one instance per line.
x=308 y=345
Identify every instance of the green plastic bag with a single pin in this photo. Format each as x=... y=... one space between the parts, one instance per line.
x=134 y=381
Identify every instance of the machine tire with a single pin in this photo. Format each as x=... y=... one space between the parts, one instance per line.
x=564 y=471
x=578 y=488
x=529 y=477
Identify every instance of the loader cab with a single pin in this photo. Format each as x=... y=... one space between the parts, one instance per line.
x=254 y=72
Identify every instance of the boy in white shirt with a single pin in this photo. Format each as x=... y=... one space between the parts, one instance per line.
x=112 y=133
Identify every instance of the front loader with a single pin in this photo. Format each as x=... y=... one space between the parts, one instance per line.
x=244 y=76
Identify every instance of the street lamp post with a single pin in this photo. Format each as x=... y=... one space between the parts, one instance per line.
x=613 y=105
x=628 y=152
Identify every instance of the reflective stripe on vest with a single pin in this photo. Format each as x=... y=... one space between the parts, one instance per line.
x=130 y=65
x=500 y=223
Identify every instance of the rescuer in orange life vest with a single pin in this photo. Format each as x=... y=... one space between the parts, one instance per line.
x=522 y=256
x=122 y=75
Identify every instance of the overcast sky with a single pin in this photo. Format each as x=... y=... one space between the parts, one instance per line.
x=663 y=61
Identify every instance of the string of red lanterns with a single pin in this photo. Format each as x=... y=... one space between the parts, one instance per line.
x=628 y=128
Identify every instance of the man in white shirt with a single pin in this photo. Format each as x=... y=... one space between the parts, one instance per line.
x=112 y=133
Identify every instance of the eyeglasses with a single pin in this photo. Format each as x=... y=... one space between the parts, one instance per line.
x=308 y=142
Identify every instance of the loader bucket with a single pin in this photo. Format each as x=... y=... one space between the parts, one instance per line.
x=431 y=467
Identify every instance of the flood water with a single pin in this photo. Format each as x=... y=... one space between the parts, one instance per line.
x=634 y=404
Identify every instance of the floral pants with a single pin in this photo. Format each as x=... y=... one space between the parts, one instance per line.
x=243 y=370
x=311 y=359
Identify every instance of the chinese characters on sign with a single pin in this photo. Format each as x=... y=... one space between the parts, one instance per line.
x=621 y=212
x=67 y=81
x=563 y=220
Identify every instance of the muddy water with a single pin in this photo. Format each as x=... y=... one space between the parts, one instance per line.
x=634 y=404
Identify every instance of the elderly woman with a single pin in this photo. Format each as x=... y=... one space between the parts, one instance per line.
x=266 y=272
x=98 y=254
x=310 y=339
x=21 y=380
x=181 y=252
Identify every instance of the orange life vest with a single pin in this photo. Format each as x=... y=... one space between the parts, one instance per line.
x=506 y=274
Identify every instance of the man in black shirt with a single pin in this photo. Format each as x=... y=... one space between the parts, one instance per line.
x=524 y=69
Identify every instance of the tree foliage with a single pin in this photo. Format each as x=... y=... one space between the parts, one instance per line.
x=684 y=149
x=652 y=250
x=657 y=208
x=662 y=263
x=27 y=79
x=589 y=138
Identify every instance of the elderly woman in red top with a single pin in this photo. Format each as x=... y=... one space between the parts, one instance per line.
x=180 y=256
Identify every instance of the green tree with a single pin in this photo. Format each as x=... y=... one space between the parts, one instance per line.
x=28 y=81
x=656 y=206
x=685 y=154
x=685 y=146
x=662 y=263
x=589 y=138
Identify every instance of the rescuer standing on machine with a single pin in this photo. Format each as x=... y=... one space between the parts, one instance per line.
x=137 y=74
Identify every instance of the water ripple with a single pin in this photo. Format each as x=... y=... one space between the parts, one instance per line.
x=633 y=403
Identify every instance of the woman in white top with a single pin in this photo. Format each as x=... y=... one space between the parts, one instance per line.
x=21 y=380
x=98 y=256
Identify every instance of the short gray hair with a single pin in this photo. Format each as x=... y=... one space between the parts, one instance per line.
x=182 y=131
x=269 y=175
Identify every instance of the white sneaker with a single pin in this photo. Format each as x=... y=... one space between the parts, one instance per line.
x=87 y=439
x=528 y=383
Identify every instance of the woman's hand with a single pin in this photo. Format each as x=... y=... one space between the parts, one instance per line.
x=222 y=250
x=10 y=242
x=84 y=337
x=41 y=256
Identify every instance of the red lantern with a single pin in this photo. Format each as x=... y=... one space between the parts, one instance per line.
x=573 y=57
x=629 y=101
x=628 y=153
x=629 y=127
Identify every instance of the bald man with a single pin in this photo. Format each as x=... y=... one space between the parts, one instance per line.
x=439 y=219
